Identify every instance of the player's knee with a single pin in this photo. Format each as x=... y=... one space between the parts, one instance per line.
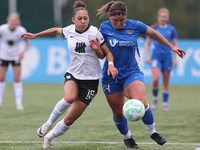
x=70 y=99
x=155 y=83
x=16 y=79
x=69 y=121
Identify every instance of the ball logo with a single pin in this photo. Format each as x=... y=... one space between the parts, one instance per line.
x=133 y=110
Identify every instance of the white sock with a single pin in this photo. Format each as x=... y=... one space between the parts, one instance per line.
x=151 y=128
x=58 y=110
x=2 y=88
x=58 y=130
x=155 y=99
x=127 y=135
x=18 y=92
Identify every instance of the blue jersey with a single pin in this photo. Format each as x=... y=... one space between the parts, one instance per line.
x=123 y=45
x=159 y=50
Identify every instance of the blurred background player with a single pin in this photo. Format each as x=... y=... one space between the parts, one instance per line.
x=121 y=36
x=86 y=45
x=161 y=59
x=10 y=53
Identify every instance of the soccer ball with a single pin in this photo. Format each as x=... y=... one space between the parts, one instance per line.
x=133 y=110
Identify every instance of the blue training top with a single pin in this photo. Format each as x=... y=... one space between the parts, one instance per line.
x=123 y=45
x=160 y=50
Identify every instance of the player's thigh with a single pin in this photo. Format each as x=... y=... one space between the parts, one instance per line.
x=116 y=102
x=75 y=111
x=70 y=91
x=136 y=90
x=3 y=70
x=16 y=73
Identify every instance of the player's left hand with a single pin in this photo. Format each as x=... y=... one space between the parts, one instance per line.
x=112 y=70
x=21 y=55
x=174 y=63
x=95 y=44
x=179 y=51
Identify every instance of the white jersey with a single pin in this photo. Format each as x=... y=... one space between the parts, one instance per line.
x=10 y=42
x=84 y=62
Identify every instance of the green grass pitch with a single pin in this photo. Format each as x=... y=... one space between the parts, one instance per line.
x=95 y=129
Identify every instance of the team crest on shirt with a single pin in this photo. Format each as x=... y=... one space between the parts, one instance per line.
x=169 y=32
x=91 y=37
x=129 y=31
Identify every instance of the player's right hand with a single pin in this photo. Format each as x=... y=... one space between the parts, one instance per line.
x=28 y=36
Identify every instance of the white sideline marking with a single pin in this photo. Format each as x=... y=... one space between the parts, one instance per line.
x=86 y=142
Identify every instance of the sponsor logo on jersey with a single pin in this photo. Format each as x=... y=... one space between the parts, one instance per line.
x=113 y=43
x=80 y=47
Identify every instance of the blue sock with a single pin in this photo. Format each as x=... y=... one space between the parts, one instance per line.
x=165 y=97
x=155 y=92
x=148 y=117
x=121 y=124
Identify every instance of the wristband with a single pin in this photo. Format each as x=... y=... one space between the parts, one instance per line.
x=110 y=63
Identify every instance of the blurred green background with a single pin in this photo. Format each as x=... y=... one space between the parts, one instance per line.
x=37 y=15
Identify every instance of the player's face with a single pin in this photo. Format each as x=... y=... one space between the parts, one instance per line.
x=118 y=21
x=81 y=20
x=13 y=22
x=163 y=18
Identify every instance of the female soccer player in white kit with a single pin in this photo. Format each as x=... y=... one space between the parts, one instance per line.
x=86 y=45
x=10 y=54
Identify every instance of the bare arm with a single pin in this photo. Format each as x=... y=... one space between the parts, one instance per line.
x=21 y=55
x=51 y=31
x=147 y=45
x=158 y=37
x=111 y=69
x=174 y=42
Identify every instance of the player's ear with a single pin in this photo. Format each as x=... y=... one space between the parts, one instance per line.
x=109 y=15
x=73 y=19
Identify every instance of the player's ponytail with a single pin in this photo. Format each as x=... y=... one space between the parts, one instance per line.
x=78 y=5
x=113 y=8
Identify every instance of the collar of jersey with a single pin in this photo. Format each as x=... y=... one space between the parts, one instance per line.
x=83 y=31
x=163 y=26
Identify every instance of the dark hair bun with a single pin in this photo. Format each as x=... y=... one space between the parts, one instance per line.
x=79 y=4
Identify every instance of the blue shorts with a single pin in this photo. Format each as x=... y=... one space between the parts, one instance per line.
x=118 y=85
x=164 y=65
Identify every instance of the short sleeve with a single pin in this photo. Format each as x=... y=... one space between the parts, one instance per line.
x=64 y=30
x=0 y=30
x=101 y=29
x=142 y=28
x=23 y=30
x=100 y=37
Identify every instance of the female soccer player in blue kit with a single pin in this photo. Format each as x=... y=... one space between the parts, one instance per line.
x=161 y=60
x=121 y=36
